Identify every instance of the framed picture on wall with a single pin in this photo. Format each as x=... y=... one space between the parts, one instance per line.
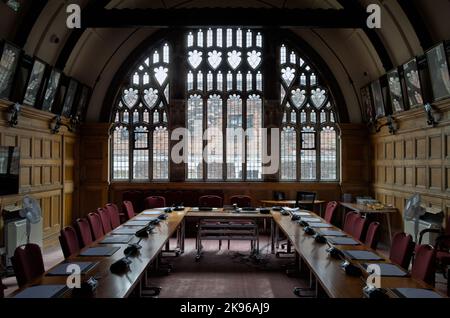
x=69 y=98
x=82 y=102
x=9 y=59
x=51 y=90
x=395 y=91
x=378 y=100
x=34 y=83
x=439 y=72
x=367 y=104
x=413 y=85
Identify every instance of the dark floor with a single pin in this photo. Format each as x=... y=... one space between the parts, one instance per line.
x=227 y=273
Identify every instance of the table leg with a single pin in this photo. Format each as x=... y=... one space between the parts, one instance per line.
x=388 y=221
x=272 y=242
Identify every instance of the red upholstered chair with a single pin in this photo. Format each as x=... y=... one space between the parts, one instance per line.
x=114 y=214
x=373 y=235
x=84 y=232
x=423 y=267
x=104 y=218
x=96 y=225
x=27 y=263
x=359 y=227
x=69 y=241
x=213 y=201
x=330 y=210
x=242 y=201
x=402 y=249
x=349 y=222
x=153 y=202
x=442 y=246
x=128 y=210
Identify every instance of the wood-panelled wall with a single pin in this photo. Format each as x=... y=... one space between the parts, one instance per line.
x=96 y=189
x=414 y=160
x=47 y=167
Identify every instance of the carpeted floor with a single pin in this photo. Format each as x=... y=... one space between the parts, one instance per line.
x=226 y=273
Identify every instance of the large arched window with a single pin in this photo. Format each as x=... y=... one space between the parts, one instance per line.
x=221 y=70
x=224 y=87
x=308 y=146
x=140 y=139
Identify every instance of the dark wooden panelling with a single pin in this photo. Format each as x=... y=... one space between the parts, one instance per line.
x=420 y=162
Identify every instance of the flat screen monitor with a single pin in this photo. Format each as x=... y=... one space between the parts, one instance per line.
x=9 y=170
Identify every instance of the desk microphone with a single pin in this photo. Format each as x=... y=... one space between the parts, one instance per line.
x=335 y=252
x=162 y=217
x=320 y=238
x=121 y=266
x=349 y=268
x=133 y=249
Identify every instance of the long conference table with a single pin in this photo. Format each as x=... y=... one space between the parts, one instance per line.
x=326 y=270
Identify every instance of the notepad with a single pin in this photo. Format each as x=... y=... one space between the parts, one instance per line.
x=415 y=293
x=361 y=255
x=387 y=270
x=117 y=239
x=144 y=218
x=136 y=223
x=301 y=214
x=100 y=251
x=311 y=220
x=149 y=212
x=43 y=291
x=126 y=231
x=61 y=269
x=320 y=225
x=342 y=241
x=331 y=233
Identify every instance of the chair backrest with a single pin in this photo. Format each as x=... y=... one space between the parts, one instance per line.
x=153 y=202
x=213 y=201
x=96 y=225
x=423 y=267
x=359 y=227
x=69 y=241
x=308 y=199
x=104 y=218
x=402 y=249
x=84 y=232
x=114 y=214
x=373 y=235
x=349 y=222
x=27 y=263
x=330 y=210
x=128 y=209
x=241 y=201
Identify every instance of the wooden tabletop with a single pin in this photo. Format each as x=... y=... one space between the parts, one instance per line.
x=327 y=270
x=221 y=213
x=361 y=208
x=289 y=202
x=119 y=286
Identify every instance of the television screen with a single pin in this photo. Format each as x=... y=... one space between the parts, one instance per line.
x=9 y=170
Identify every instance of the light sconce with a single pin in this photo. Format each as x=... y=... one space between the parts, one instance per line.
x=390 y=123
x=13 y=114
x=13 y=5
x=57 y=123
x=430 y=117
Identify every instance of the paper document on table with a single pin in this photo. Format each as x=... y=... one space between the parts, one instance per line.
x=415 y=293
x=43 y=291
